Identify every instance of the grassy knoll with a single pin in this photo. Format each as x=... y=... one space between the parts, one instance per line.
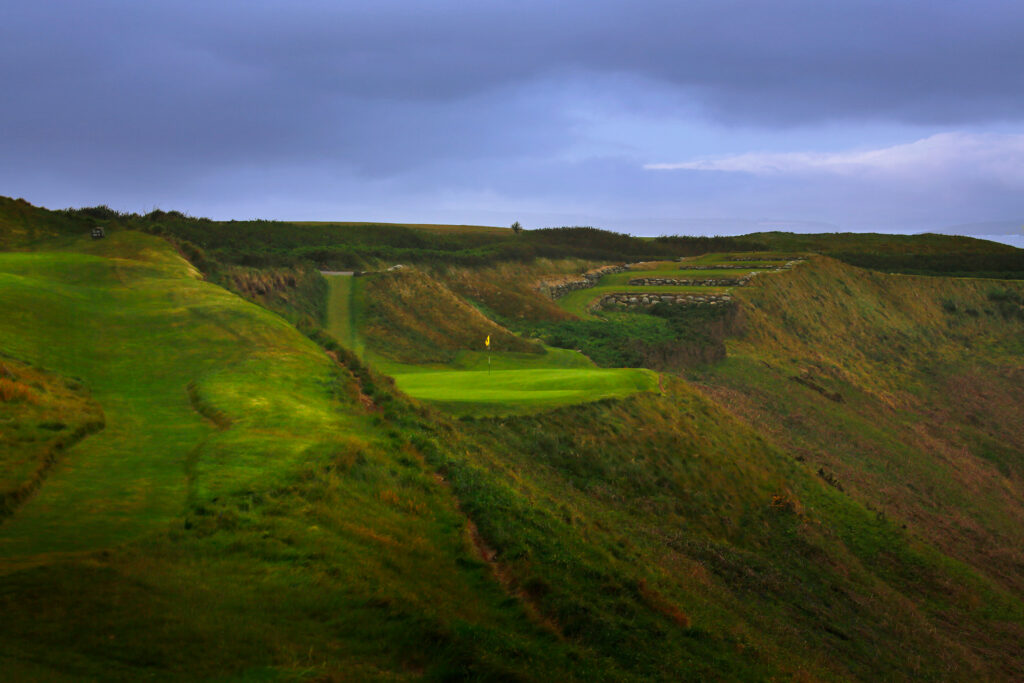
x=509 y=290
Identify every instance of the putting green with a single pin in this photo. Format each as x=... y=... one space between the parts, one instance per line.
x=498 y=391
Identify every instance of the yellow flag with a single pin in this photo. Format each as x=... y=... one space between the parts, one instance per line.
x=487 y=342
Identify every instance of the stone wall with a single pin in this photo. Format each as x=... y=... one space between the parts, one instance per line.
x=558 y=289
x=773 y=257
x=648 y=299
x=695 y=282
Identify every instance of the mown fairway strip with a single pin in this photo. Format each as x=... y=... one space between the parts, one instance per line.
x=341 y=311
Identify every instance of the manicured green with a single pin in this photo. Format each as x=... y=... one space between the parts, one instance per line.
x=506 y=391
x=514 y=382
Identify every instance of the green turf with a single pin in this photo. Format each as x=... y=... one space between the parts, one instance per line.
x=514 y=382
x=133 y=322
x=676 y=273
x=756 y=260
x=342 y=311
x=515 y=391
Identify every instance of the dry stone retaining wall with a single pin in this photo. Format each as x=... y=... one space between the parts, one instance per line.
x=698 y=282
x=557 y=290
x=648 y=299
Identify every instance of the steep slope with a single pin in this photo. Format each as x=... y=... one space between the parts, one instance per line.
x=663 y=532
x=906 y=392
x=410 y=317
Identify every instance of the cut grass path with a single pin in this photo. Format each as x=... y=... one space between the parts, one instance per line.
x=342 y=311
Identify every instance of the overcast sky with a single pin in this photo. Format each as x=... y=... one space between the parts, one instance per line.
x=645 y=117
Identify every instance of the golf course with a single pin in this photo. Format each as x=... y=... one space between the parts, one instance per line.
x=488 y=382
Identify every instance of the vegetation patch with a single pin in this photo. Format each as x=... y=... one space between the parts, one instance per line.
x=42 y=416
x=669 y=337
x=410 y=317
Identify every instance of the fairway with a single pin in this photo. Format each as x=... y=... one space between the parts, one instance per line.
x=341 y=311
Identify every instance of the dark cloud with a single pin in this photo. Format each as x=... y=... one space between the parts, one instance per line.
x=159 y=99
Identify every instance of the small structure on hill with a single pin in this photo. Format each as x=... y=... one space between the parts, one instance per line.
x=98 y=233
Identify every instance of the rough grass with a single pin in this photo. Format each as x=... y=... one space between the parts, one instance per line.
x=135 y=324
x=411 y=317
x=911 y=406
x=510 y=290
x=42 y=416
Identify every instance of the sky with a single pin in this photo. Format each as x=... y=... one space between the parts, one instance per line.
x=696 y=117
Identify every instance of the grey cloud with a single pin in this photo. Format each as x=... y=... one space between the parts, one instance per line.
x=158 y=99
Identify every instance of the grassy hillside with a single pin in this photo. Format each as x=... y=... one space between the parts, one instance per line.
x=662 y=530
x=22 y=224
x=904 y=391
x=239 y=515
x=43 y=415
x=838 y=498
